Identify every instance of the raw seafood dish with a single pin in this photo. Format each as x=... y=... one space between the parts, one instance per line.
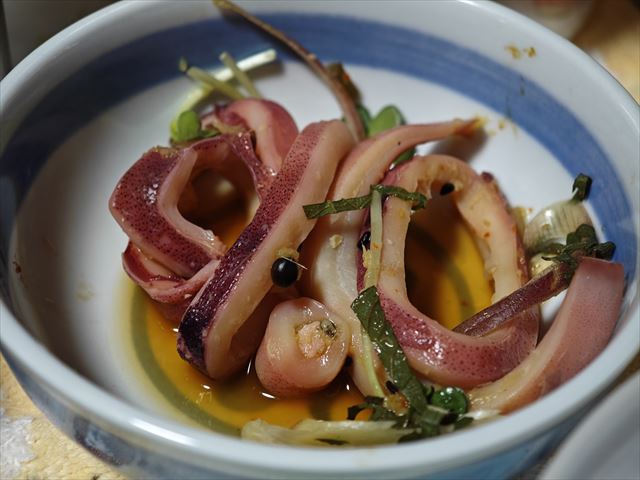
x=315 y=283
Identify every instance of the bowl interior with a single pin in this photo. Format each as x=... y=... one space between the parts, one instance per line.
x=64 y=281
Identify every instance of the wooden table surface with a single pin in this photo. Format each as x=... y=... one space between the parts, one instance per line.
x=37 y=450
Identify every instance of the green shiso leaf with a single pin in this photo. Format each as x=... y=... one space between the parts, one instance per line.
x=417 y=199
x=316 y=210
x=367 y=308
x=427 y=410
x=582 y=242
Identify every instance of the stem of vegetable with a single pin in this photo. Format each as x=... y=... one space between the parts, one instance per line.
x=371 y=279
x=373 y=266
x=204 y=77
x=242 y=77
x=224 y=74
x=347 y=104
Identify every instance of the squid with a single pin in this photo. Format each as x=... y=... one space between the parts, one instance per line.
x=333 y=270
x=443 y=356
x=580 y=331
x=229 y=310
x=167 y=255
x=222 y=327
x=303 y=349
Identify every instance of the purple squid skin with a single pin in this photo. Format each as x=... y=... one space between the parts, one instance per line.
x=134 y=204
x=237 y=263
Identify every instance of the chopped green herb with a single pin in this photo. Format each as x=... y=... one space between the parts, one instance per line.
x=452 y=399
x=316 y=210
x=187 y=126
x=581 y=187
x=369 y=311
x=418 y=199
x=427 y=410
x=376 y=405
x=550 y=282
x=582 y=242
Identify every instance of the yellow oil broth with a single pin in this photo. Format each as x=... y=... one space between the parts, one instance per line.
x=444 y=269
x=241 y=399
x=445 y=280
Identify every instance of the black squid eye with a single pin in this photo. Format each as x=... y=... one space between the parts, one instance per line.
x=284 y=272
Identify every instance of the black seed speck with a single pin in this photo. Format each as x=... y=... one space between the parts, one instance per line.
x=391 y=387
x=447 y=188
x=365 y=240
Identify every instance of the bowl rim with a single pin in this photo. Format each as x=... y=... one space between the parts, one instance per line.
x=175 y=439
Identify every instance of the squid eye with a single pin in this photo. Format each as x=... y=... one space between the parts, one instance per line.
x=284 y=272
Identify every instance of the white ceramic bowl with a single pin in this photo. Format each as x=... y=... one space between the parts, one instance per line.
x=78 y=111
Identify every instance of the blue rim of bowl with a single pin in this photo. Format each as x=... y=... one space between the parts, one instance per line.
x=17 y=333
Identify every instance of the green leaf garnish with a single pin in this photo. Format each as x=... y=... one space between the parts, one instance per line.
x=550 y=282
x=316 y=210
x=186 y=127
x=581 y=187
x=582 y=242
x=452 y=399
x=367 y=308
x=427 y=410
x=386 y=119
x=417 y=199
